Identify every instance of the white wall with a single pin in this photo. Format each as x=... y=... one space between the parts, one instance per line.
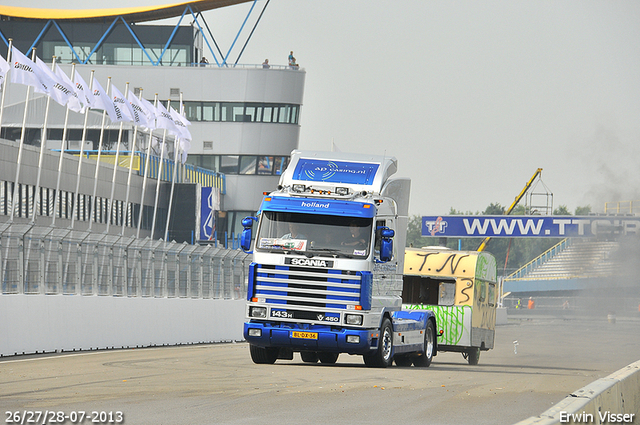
x=47 y=323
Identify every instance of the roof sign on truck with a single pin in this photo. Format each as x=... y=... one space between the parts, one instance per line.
x=322 y=170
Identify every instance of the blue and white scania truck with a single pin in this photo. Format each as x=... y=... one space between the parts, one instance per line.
x=326 y=276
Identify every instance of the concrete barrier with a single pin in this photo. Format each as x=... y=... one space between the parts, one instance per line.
x=501 y=316
x=50 y=323
x=613 y=399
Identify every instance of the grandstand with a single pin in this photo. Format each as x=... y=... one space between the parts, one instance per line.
x=579 y=276
x=571 y=259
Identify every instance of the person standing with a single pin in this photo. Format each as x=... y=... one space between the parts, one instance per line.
x=531 y=304
x=265 y=64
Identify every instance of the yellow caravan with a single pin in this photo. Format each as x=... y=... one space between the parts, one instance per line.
x=460 y=288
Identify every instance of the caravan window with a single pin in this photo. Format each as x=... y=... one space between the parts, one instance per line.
x=492 y=294
x=428 y=290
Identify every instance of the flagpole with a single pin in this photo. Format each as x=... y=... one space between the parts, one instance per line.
x=43 y=145
x=76 y=204
x=57 y=199
x=115 y=165
x=14 y=199
x=4 y=85
x=155 y=205
x=95 y=179
x=146 y=172
x=173 y=180
x=131 y=152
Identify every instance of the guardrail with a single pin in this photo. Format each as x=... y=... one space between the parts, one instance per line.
x=54 y=261
x=614 y=399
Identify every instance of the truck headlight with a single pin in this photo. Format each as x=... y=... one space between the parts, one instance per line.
x=353 y=339
x=353 y=319
x=259 y=312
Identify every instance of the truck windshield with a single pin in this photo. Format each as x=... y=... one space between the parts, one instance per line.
x=337 y=236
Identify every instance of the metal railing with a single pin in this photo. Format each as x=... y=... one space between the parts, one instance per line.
x=622 y=207
x=539 y=260
x=47 y=260
x=186 y=172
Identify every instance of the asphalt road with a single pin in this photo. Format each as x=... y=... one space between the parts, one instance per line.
x=218 y=384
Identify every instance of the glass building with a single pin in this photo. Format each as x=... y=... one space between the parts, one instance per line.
x=244 y=118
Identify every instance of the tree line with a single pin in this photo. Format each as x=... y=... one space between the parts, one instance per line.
x=510 y=253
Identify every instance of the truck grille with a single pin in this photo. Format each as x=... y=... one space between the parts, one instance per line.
x=309 y=287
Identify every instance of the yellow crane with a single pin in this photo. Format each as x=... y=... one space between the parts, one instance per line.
x=538 y=172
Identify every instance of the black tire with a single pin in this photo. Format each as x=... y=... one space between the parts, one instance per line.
x=263 y=355
x=403 y=361
x=328 y=358
x=309 y=356
x=472 y=356
x=425 y=358
x=384 y=354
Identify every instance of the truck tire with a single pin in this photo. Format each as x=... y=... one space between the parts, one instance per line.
x=424 y=360
x=309 y=356
x=472 y=355
x=328 y=358
x=263 y=355
x=384 y=354
x=403 y=361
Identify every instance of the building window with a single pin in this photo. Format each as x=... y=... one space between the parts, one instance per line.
x=265 y=165
x=241 y=112
x=229 y=164
x=248 y=165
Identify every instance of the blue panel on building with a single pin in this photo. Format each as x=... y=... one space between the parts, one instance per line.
x=207 y=214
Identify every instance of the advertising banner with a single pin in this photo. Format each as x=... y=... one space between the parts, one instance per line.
x=209 y=204
x=520 y=226
x=319 y=170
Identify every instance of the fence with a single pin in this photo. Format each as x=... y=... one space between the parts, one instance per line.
x=55 y=261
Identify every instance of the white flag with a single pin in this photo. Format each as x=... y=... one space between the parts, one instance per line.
x=4 y=68
x=55 y=86
x=141 y=116
x=65 y=89
x=181 y=124
x=24 y=72
x=185 y=145
x=102 y=101
x=121 y=105
x=82 y=90
x=164 y=119
x=151 y=110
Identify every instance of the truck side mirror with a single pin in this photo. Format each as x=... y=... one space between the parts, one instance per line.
x=386 y=244
x=245 y=238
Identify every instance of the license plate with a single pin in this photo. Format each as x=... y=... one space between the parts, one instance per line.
x=304 y=335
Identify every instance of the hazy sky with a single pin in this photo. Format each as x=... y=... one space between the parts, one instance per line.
x=471 y=97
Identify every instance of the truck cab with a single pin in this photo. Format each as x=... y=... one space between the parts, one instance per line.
x=328 y=257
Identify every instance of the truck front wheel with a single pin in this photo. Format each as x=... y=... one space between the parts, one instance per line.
x=263 y=355
x=383 y=355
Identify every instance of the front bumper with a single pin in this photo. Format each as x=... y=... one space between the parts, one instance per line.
x=331 y=339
